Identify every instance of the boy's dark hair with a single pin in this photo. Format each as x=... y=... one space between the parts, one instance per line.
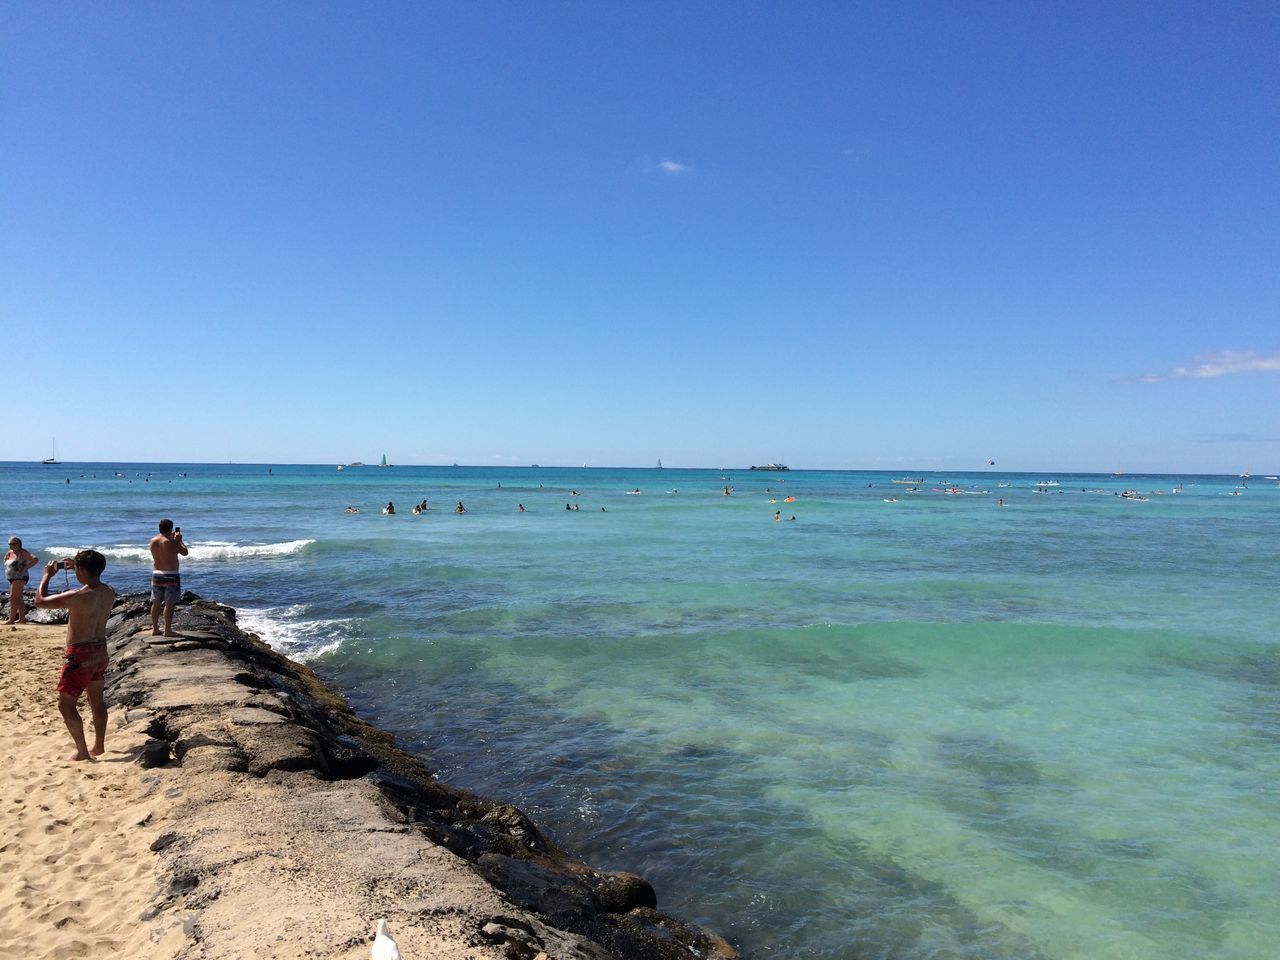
x=166 y=526
x=91 y=561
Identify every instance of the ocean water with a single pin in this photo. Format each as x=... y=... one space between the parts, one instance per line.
x=935 y=727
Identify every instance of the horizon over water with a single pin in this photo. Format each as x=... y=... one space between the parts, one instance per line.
x=906 y=725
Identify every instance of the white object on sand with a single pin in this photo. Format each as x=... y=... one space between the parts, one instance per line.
x=384 y=948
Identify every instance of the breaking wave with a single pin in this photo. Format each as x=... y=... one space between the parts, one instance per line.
x=205 y=550
x=287 y=630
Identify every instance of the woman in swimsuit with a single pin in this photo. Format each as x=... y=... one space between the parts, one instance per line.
x=16 y=564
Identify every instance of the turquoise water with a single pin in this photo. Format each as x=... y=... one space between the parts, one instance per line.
x=935 y=727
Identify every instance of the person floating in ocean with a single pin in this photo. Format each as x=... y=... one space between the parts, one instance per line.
x=389 y=509
x=777 y=515
x=423 y=505
x=166 y=584
x=352 y=510
x=520 y=507
x=459 y=508
x=417 y=510
x=17 y=563
x=86 y=658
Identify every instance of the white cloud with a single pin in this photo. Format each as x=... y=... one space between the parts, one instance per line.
x=673 y=168
x=1221 y=364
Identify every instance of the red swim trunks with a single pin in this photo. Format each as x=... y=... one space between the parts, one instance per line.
x=83 y=664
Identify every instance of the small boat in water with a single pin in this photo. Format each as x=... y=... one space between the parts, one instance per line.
x=53 y=460
x=771 y=466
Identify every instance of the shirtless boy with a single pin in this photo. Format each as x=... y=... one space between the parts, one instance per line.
x=166 y=585
x=86 y=661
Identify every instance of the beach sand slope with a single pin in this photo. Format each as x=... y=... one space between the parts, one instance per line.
x=74 y=837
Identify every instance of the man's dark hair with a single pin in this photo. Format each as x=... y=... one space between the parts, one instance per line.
x=166 y=527
x=91 y=561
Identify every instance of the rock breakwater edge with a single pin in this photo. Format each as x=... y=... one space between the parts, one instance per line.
x=283 y=825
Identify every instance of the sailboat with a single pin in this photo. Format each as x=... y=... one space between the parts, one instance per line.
x=53 y=459
x=659 y=463
x=384 y=461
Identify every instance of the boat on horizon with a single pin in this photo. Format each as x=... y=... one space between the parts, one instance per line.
x=776 y=467
x=53 y=460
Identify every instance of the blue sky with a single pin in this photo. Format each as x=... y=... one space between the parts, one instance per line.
x=833 y=234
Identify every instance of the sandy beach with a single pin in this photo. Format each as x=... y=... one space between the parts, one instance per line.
x=231 y=817
x=76 y=836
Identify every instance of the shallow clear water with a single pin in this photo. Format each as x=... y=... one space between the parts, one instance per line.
x=935 y=727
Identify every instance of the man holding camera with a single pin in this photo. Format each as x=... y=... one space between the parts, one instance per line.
x=166 y=585
x=86 y=660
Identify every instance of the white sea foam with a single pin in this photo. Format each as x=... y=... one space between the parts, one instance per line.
x=288 y=630
x=204 y=550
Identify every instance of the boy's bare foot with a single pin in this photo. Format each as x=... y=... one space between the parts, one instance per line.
x=155 y=631
x=98 y=751
x=170 y=633
x=79 y=756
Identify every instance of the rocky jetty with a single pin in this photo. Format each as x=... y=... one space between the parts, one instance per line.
x=286 y=797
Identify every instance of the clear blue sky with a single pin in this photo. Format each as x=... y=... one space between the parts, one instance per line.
x=834 y=234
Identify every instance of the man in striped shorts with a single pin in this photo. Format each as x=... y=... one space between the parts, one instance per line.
x=166 y=585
